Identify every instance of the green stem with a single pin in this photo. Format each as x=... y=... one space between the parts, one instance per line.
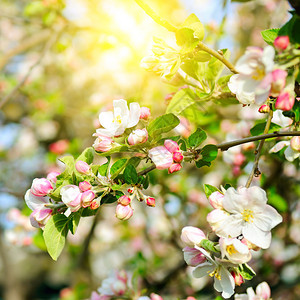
x=149 y=11
x=255 y=170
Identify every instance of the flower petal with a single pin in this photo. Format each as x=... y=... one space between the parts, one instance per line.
x=203 y=270
x=134 y=114
x=106 y=119
x=257 y=236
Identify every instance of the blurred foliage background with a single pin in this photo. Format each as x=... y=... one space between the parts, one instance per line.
x=62 y=62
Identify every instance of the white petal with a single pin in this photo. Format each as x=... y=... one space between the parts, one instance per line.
x=257 y=198
x=106 y=119
x=233 y=83
x=290 y=154
x=241 y=297
x=217 y=285
x=227 y=283
x=233 y=202
x=279 y=146
x=134 y=114
x=203 y=270
x=35 y=202
x=276 y=218
x=256 y=236
x=120 y=108
x=107 y=132
x=268 y=58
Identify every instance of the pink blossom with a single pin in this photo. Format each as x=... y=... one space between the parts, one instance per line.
x=103 y=143
x=285 y=101
x=39 y=217
x=59 y=147
x=161 y=157
x=84 y=186
x=124 y=212
x=124 y=200
x=52 y=176
x=150 y=201
x=145 y=113
x=71 y=196
x=174 y=168
x=282 y=42
x=41 y=187
x=177 y=157
x=171 y=146
x=193 y=257
x=138 y=136
x=82 y=167
x=278 y=81
x=238 y=279
x=264 y=109
x=87 y=197
x=192 y=236
x=216 y=199
x=295 y=143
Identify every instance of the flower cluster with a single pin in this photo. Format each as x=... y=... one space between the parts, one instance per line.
x=263 y=292
x=258 y=77
x=243 y=221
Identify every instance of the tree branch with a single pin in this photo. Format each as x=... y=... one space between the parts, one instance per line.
x=255 y=171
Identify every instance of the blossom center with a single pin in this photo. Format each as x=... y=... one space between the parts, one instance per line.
x=231 y=250
x=215 y=273
x=247 y=215
x=117 y=119
x=260 y=73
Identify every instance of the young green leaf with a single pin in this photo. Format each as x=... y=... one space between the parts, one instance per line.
x=117 y=167
x=74 y=219
x=130 y=175
x=209 y=152
x=209 y=189
x=246 y=271
x=208 y=245
x=104 y=168
x=202 y=163
x=260 y=127
x=87 y=155
x=195 y=139
x=162 y=124
x=270 y=35
x=181 y=100
x=55 y=234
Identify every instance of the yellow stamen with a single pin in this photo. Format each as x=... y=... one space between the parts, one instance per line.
x=247 y=215
x=117 y=119
x=260 y=73
x=215 y=273
x=231 y=250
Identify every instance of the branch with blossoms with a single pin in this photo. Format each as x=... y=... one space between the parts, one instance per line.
x=135 y=144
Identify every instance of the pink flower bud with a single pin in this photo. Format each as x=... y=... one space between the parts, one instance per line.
x=71 y=196
x=150 y=201
x=161 y=157
x=130 y=191
x=239 y=159
x=122 y=275
x=52 y=176
x=191 y=298
x=192 y=236
x=193 y=257
x=87 y=197
x=124 y=200
x=82 y=167
x=41 y=187
x=40 y=217
x=145 y=113
x=177 y=157
x=171 y=146
x=138 y=136
x=285 y=101
x=174 y=168
x=281 y=42
x=124 y=212
x=155 y=297
x=263 y=291
x=295 y=143
x=216 y=200
x=59 y=147
x=238 y=279
x=103 y=143
x=94 y=205
x=85 y=186
x=264 y=109
x=169 y=96
x=278 y=81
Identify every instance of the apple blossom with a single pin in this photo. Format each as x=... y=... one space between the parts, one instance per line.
x=138 y=136
x=150 y=201
x=235 y=250
x=84 y=186
x=238 y=279
x=161 y=157
x=102 y=143
x=177 y=157
x=124 y=212
x=216 y=268
x=289 y=153
x=263 y=292
x=116 y=122
x=171 y=146
x=71 y=196
x=174 y=168
x=252 y=83
x=285 y=100
x=155 y=297
x=192 y=236
x=295 y=143
x=278 y=81
x=124 y=200
x=52 y=176
x=112 y=286
x=39 y=217
x=82 y=167
x=87 y=197
x=216 y=199
x=145 y=113
x=264 y=109
x=245 y=212
x=41 y=187
x=282 y=42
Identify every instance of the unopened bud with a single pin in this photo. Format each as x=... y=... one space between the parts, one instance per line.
x=281 y=42
x=264 y=291
x=52 y=176
x=150 y=201
x=278 y=81
x=155 y=297
x=264 y=109
x=103 y=143
x=216 y=200
x=192 y=236
x=85 y=186
x=171 y=146
x=82 y=167
x=138 y=136
x=124 y=212
x=174 y=168
x=177 y=157
x=285 y=101
x=295 y=143
x=193 y=257
x=145 y=113
x=124 y=200
x=94 y=204
x=41 y=187
x=130 y=191
x=87 y=197
x=238 y=279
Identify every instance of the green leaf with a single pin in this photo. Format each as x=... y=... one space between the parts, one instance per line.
x=246 y=271
x=104 y=168
x=202 y=163
x=118 y=149
x=38 y=240
x=134 y=161
x=88 y=212
x=74 y=219
x=208 y=245
x=209 y=189
x=130 y=175
x=260 y=127
x=202 y=56
x=291 y=28
x=162 y=124
x=55 y=234
x=276 y=200
x=87 y=155
x=195 y=139
x=209 y=153
x=118 y=167
x=181 y=100
x=270 y=35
